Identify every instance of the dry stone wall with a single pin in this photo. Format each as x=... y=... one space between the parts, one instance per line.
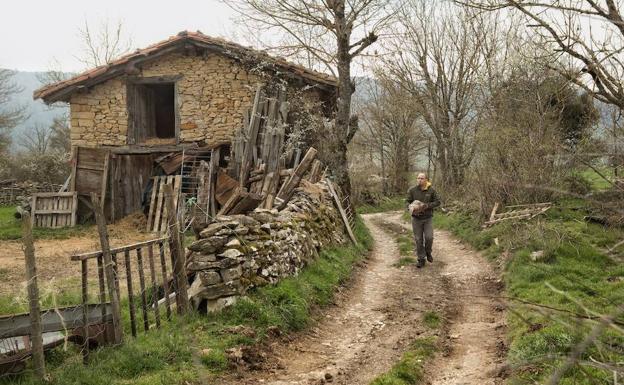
x=236 y=253
x=213 y=93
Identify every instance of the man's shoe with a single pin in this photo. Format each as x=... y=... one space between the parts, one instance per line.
x=429 y=258
x=420 y=263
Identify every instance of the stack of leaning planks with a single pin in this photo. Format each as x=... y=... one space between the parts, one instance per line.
x=259 y=172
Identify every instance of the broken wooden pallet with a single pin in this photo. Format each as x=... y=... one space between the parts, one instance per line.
x=517 y=212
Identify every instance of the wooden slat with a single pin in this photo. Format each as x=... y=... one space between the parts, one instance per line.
x=163 y=266
x=341 y=210
x=139 y=255
x=150 y=257
x=152 y=205
x=120 y=249
x=159 y=204
x=131 y=306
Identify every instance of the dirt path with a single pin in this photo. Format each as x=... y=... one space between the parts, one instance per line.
x=376 y=318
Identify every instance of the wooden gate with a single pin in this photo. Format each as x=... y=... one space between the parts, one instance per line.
x=54 y=209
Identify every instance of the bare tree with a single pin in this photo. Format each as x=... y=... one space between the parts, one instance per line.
x=37 y=140
x=391 y=130
x=10 y=114
x=445 y=57
x=106 y=43
x=584 y=40
x=332 y=32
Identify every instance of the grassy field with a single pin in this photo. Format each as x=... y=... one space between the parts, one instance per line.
x=191 y=349
x=386 y=204
x=571 y=279
x=11 y=228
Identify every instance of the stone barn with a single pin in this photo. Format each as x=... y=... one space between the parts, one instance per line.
x=145 y=113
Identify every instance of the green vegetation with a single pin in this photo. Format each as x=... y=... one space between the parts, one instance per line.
x=409 y=370
x=432 y=319
x=11 y=228
x=385 y=204
x=167 y=356
x=573 y=274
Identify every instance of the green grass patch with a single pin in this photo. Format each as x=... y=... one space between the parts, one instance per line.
x=11 y=228
x=432 y=319
x=406 y=245
x=385 y=204
x=169 y=355
x=410 y=369
x=597 y=182
x=573 y=263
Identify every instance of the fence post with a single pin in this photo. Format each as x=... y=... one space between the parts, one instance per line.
x=36 y=329
x=98 y=210
x=177 y=252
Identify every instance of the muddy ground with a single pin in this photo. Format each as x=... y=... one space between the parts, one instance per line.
x=376 y=317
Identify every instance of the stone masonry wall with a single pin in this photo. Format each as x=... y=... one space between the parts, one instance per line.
x=213 y=94
x=239 y=252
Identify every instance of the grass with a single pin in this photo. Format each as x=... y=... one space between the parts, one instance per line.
x=432 y=319
x=11 y=228
x=172 y=354
x=574 y=276
x=410 y=369
x=386 y=204
x=597 y=182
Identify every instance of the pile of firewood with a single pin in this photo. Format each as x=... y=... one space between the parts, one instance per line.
x=259 y=173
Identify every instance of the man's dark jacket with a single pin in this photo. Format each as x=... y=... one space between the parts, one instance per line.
x=428 y=196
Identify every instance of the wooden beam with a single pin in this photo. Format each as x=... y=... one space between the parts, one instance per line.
x=343 y=215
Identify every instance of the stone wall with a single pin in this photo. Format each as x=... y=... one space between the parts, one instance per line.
x=213 y=94
x=239 y=252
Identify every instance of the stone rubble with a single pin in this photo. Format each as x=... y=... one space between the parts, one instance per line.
x=239 y=252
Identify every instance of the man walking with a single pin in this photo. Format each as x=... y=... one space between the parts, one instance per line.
x=422 y=217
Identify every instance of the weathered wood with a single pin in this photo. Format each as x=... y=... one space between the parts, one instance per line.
x=101 y=284
x=114 y=250
x=178 y=256
x=247 y=203
x=85 y=313
x=252 y=135
x=74 y=164
x=315 y=172
x=105 y=170
x=139 y=255
x=494 y=209
x=288 y=188
x=129 y=285
x=234 y=198
x=215 y=158
x=225 y=187
x=108 y=267
x=343 y=215
x=36 y=331
x=150 y=257
x=152 y=205
x=165 y=280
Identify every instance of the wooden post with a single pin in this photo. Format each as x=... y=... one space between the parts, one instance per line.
x=142 y=285
x=177 y=254
x=85 y=311
x=150 y=255
x=163 y=268
x=33 y=298
x=109 y=268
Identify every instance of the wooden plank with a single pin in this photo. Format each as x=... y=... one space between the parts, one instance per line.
x=142 y=285
x=159 y=205
x=85 y=313
x=105 y=177
x=343 y=215
x=165 y=280
x=234 y=198
x=131 y=306
x=108 y=267
x=152 y=208
x=254 y=126
x=74 y=208
x=494 y=209
x=177 y=255
x=247 y=203
x=215 y=158
x=54 y=210
x=150 y=259
x=120 y=249
x=36 y=330
x=288 y=188
x=74 y=160
x=225 y=187
x=54 y=194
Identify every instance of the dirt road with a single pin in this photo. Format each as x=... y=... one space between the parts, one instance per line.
x=375 y=319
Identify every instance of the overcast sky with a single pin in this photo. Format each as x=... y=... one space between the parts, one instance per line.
x=34 y=33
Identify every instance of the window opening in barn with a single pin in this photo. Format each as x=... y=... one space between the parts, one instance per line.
x=152 y=111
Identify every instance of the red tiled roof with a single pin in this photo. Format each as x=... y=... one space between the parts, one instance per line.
x=61 y=90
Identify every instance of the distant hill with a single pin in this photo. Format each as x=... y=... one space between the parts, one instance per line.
x=37 y=111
